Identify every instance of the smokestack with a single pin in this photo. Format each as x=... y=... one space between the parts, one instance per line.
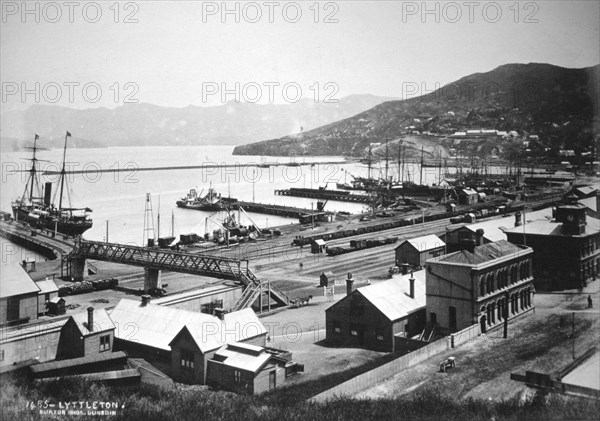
x=517 y=218
x=479 y=237
x=412 y=285
x=90 y=323
x=349 y=282
x=145 y=299
x=47 y=193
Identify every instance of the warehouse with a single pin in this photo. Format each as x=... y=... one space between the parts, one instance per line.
x=417 y=250
x=372 y=316
x=18 y=296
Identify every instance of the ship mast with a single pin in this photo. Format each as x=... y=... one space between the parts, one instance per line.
x=63 y=172
x=32 y=172
x=421 y=169
x=386 y=159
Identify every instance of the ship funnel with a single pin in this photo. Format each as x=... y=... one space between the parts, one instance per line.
x=47 y=193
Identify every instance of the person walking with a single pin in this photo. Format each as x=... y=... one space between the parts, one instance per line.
x=589 y=301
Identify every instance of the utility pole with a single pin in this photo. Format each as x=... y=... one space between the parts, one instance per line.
x=573 y=335
x=107 y=230
x=506 y=298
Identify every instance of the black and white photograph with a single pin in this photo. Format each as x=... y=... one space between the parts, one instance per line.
x=299 y=210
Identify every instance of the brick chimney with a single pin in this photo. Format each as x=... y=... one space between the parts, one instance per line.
x=220 y=312
x=349 y=282
x=146 y=299
x=517 y=218
x=90 y=321
x=479 y=237
x=412 y=285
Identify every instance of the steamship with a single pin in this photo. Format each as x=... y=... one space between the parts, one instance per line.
x=36 y=206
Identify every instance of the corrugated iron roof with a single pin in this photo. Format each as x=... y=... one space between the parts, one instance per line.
x=392 y=297
x=151 y=324
x=545 y=227
x=425 y=242
x=237 y=326
x=238 y=356
x=101 y=322
x=156 y=326
x=47 y=286
x=60 y=364
x=15 y=281
x=481 y=254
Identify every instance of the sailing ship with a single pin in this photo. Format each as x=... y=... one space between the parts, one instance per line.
x=212 y=201
x=39 y=211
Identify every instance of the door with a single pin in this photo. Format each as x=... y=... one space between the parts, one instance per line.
x=272 y=380
x=452 y=317
x=13 y=309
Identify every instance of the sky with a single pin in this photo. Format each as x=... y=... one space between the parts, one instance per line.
x=176 y=53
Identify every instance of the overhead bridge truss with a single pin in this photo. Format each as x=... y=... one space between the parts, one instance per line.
x=160 y=259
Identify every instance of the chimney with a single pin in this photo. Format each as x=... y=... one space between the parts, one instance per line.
x=349 y=282
x=412 y=285
x=404 y=268
x=479 y=237
x=90 y=321
x=517 y=218
x=47 y=193
x=220 y=312
x=145 y=299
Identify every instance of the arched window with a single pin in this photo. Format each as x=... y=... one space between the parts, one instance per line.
x=482 y=286
x=500 y=308
x=514 y=274
x=492 y=282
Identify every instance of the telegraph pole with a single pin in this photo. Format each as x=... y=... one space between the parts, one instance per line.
x=506 y=298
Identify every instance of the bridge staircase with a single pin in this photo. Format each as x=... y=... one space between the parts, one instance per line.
x=254 y=288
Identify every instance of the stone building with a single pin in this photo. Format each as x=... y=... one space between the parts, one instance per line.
x=566 y=249
x=482 y=284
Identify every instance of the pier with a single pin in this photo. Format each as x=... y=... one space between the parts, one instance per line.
x=322 y=194
x=268 y=209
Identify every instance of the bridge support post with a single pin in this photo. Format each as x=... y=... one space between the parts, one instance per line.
x=152 y=279
x=78 y=268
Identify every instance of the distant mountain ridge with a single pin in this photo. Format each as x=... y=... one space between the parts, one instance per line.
x=149 y=125
x=558 y=104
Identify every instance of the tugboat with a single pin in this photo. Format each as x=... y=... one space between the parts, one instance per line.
x=40 y=212
x=211 y=202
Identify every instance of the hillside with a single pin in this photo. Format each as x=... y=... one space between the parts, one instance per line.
x=146 y=124
x=553 y=102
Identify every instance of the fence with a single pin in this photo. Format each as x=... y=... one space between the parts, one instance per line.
x=377 y=375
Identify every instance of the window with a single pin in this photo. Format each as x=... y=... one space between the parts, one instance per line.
x=187 y=359
x=1 y=355
x=379 y=334
x=337 y=328
x=104 y=343
x=237 y=376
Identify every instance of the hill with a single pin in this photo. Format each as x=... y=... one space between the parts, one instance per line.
x=555 y=103
x=145 y=124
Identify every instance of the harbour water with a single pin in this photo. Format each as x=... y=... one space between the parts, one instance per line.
x=119 y=197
